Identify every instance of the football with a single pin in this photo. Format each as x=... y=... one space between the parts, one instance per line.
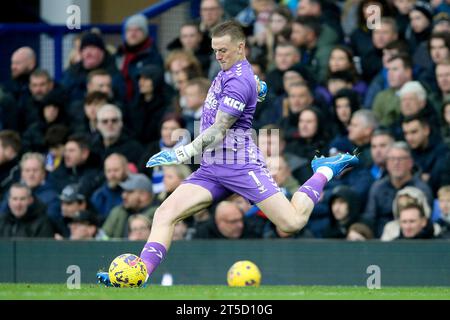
x=244 y=274
x=127 y=270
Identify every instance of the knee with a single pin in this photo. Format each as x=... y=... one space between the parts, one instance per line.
x=165 y=214
x=292 y=225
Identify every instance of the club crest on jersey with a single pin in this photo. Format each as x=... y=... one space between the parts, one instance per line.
x=217 y=88
x=211 y=101
x=234 y=103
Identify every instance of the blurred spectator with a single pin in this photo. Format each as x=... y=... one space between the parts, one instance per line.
x=414 y=102
x=286 y=55
x=419 y=31
x=443 y=81
x=79 y=166
x=72 y=202
x=328 y=14
x=181 y=231
x=345 y=208
x=40 y=85
x=10 y=148
x=173 y=177
x=359 y=232
x=341 y=59
x=404 y=197
x=195 y=95
x=139 y=227
x=137 y=198
x=362 y=125
x=438 y=45
x=98 y=80
x=281 y=172
x=192 y=39
x=263 y=46
x=399 y=166
x=271 y=143
x=427 y=151
x=414 y=224
x=306 y=32
x=74 y=54
x=386 y=105
x=211 y=14
x=371 y=61
x=380 y=81
x=33 y=175
x=93 y=56
x=51 y=112
x=445 y=126
x=403 y=9
x=109 y=194
x=255 y=17
x=311 y=137
x=9 y=118
x=88 y=122
x=441 y=22
x=137 y=50
x=380 y=142
x=229 y=222
x=24 y=216
x=345 y=104
x=299 y=98
x=444 y=208
x=171 y=137
x=84 y=226
x=23 y=63
x=150 y=106
x=55 y=139
x=112 y=138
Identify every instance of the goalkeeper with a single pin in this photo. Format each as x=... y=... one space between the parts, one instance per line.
x=231 y=161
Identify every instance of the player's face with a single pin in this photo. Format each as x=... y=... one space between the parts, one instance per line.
x=227 y=51
x=411 y=222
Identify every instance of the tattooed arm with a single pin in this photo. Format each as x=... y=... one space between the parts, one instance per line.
x=207 y=139
x=214 y=134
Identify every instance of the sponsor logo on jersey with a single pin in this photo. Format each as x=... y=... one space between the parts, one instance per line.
x=234 y=103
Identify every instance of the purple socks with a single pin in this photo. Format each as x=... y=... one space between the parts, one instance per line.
x=152 y=255
x=314 y=186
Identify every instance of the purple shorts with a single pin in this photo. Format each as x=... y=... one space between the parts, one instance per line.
x=252 y=181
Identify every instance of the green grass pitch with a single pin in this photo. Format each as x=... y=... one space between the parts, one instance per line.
x=181 y=292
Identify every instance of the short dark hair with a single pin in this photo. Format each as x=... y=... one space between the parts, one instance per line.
x=399 y=45
x=416 y=117
x=406 y=60
x=231 y=28
x=445 y=36
x=41 y=73
x=94 y=96
x=310 y=22
x=56 y=135
x=97 y=72
x=10 y=138
x=413 y=205
x=81 y=139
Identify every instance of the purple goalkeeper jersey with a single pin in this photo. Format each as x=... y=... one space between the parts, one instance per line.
x=234 y=92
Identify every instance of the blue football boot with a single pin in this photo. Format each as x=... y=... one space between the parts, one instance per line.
x=336 y=163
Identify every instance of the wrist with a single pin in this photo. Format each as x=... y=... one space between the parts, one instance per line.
x=184 y=153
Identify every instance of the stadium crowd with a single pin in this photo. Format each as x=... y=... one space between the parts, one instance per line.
x=73 y=152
